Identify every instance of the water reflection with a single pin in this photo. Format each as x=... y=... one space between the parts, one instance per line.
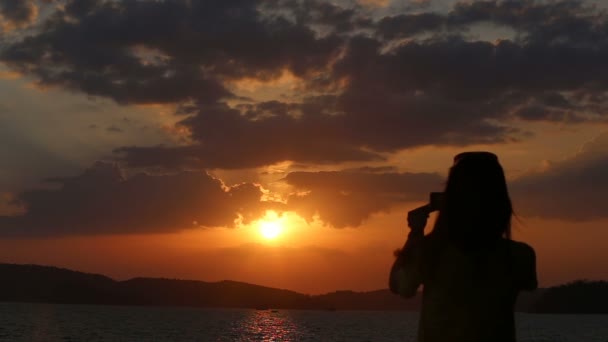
x=49 y=323
x=267 y=325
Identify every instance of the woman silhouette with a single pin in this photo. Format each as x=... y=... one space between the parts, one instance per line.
x=470 y=269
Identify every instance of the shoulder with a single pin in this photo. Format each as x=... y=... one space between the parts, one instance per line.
x=524 y=259
x=522 y=250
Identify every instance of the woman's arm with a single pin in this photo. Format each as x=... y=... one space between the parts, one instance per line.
x=525 y=259
x=530 y=281
x=405 y=277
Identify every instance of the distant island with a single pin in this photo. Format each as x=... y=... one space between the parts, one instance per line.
x=43 y=284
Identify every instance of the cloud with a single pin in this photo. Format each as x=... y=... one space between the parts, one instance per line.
x=378 y=3
x=321 y=15
x=368 y=86
x=441 y=91
x=164 y=51
x=103 y=201
x=17 y=13
x=409 y=25
x=229 y=141
x=573 y=189
x=347 y=198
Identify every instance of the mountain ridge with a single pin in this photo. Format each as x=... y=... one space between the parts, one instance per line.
x=50 y=284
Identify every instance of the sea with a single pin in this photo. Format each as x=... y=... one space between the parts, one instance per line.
x=51 y=322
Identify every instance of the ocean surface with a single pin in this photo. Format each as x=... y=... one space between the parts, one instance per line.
x=49 y=322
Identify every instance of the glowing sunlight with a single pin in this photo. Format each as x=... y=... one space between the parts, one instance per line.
x=271 y=226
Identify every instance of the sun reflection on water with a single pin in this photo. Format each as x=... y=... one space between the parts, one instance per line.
x=269 y=325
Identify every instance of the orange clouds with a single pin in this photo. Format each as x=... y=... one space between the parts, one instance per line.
x=285 y=80
x=377 y=3
x=9 y=75
x=8 y=205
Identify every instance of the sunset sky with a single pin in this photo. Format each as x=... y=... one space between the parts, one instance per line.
x=282 y=142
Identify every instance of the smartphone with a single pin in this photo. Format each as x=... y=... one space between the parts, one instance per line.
x=436 y=200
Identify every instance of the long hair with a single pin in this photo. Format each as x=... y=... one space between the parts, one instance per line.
x=477 y=210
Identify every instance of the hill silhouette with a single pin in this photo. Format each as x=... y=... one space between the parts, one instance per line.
x=578 y=297
x=34 y=283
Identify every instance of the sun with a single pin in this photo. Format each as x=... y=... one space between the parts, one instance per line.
x=270 y=230
x=270 y=226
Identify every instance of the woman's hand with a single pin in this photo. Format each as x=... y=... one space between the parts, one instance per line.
x=416 y=219
x=405 y=278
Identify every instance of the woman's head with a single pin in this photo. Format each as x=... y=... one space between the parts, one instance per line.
x=477 y=207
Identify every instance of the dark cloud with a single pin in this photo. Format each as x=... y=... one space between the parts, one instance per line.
x=538 y=22
x=368 y=86
x=164 y=51
x=80 y=8
x=347 y=198
x=103 y=201
x=322 y=15
x=321 y=131
x=18 y=13
x=229 y=141
x=574 y=189
x=409 y=25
